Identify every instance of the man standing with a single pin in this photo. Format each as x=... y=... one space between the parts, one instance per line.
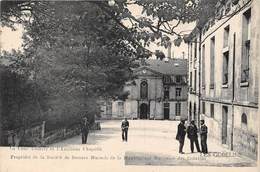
x=181 y=135
x=203 y=137
x=124 y=127
x=84 y=130
x=193 y=136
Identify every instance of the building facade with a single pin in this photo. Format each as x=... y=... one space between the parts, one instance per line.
x=158 y=92
x=223 y=75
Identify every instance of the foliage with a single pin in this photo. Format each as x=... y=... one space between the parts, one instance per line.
x=18 y=101
x=159 y=54
x=76 y=52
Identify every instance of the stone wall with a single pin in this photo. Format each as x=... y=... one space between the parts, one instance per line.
x=36 y=136
x=245 y=143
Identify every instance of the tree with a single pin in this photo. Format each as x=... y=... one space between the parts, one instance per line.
x=18 y=102
x=78 y=51
x=75 y=55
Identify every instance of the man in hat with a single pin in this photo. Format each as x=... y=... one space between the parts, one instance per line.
x=193 y=136
x=181 y=135
x=203 y=137
x=124 y=127
x=84 y=130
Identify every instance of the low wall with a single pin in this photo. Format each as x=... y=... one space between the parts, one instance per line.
x=58 y=135
x=36 y=136
x=62 y=134
x=16 y=137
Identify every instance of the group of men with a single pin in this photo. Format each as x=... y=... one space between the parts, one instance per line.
x=192 y=131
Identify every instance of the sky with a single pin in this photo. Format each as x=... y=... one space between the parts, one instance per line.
x=13 y=39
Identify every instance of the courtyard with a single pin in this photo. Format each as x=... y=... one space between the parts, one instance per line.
x=150 y=142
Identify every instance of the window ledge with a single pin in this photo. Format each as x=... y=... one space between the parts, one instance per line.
x=224 y=85
x=225 y=49
x=244 y=84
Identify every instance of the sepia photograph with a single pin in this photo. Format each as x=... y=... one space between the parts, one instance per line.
x=129 y=85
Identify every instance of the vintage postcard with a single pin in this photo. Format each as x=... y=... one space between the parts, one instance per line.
x=129 y=85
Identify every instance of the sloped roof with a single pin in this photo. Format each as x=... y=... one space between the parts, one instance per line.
x=170 y=67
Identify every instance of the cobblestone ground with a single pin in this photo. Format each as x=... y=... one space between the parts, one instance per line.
x=153 y=143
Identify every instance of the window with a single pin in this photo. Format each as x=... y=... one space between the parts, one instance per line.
x=225 y=68
x=191 y=52
x=246 y=46
x=195 y=50
x=244 y=119
x=166 y=93
x=178 y=109
x=167 y=79
x=203 y=108
x=194 y=111
x=190 y=79
x=195 y=80
x=203 y=66
x=226 y=36
x=178 y=79
x=190 y=110
x=212 y=110
x=178 y=92
x=144 y=90
x=212 y=62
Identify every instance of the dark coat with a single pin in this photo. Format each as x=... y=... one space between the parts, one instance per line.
x=192 y=132
x=125 y=125
x=181 y=132
x=85 y=126
x=203 y=130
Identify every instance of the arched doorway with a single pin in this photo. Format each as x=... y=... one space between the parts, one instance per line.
x=143 y=111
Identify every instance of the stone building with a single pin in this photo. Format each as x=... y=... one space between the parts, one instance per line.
x=158 y=92
x=223 y=75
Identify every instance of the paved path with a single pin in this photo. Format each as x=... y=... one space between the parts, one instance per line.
x=151 y=143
